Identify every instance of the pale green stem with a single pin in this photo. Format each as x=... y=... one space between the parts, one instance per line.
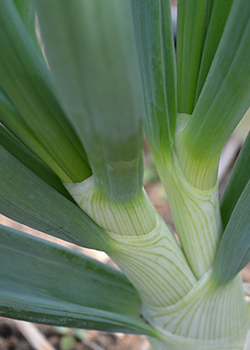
x=208 y=317
x=196 y=212
x=143 y=246
x=189 y=314
x=200 y=172
x=197 y=219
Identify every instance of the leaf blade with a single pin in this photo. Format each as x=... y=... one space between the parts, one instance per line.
x=155 y=43
x=191 y=28
x=234 y=249
x=224 y=98
x=26 y=10
x=26 y=157
x=14 y=122
x=96 y=76
x=46 y=278
x=219 y=15
x=26 y=81
x=237 y=182
x=25 y=198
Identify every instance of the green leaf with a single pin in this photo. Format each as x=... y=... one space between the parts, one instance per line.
x=219 y=15
x=27 y=13
x=234 y=249
x=90 y=47
x=237 y=182
x=155 y=42
x=47 y=283
x=191 y=29
x=25 y=156
x=26 y=81
x=26 y=198
x=12 y=120
x=223 y=101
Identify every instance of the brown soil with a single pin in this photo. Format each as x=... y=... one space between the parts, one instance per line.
x=12 y=339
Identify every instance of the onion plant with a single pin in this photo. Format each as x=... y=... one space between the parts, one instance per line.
x=79 y=81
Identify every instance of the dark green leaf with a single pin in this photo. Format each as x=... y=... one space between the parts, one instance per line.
x=237 y=182
x=26 y=198
x=26 y=81
x=26 y=11
x=219 y=15
x=25 y=156
x=191 y=29
x=234 y=249
x=46 y=283
x=10 y=117
x=155 y=42
x=90 y=47
x=225 y=96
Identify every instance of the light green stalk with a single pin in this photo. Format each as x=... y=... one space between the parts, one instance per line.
x=190 y=313
x=143 y=246
x=196 y=212
x=197 y=221
x=208 y=317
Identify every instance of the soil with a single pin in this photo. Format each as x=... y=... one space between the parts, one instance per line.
x=12 y=339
